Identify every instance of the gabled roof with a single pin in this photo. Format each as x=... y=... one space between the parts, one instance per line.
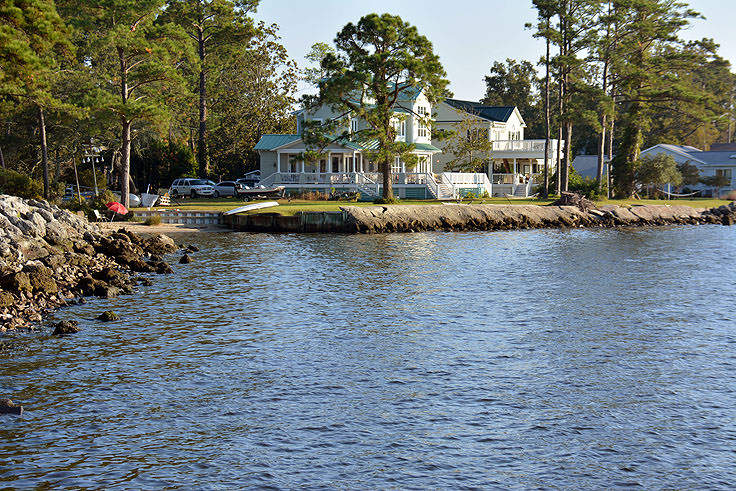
x=271 y=142
x=694 y=154
x=718 y=158
x=491 y=113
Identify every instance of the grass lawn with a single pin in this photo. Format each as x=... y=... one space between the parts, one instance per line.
x=287 y=207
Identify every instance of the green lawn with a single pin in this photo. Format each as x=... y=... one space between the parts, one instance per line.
x=290 y=207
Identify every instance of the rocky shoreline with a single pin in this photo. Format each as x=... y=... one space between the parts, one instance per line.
x=50 y=257
x=451 y=217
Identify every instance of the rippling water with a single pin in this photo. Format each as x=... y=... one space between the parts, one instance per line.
x=583 y=359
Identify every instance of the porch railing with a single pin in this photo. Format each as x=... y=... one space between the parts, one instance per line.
x=464 y=179
x=536 y=146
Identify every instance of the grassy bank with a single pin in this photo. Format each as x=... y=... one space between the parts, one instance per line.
x=290 y=207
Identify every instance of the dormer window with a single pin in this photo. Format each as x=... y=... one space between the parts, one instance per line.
x=353 y=126
x=422 y=110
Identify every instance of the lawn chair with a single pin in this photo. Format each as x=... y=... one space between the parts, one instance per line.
x=98 y=216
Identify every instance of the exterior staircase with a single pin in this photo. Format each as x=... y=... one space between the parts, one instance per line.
x=367 y=193
x=444 y=191
x=521 y=191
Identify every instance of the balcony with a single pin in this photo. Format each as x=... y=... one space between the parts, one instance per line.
x=523 y=148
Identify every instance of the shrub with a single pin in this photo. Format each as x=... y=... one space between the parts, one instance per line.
x=21 y=185
x=153 y=220
x=384 y=201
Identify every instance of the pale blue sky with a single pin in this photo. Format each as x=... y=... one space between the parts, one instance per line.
x=468 y=35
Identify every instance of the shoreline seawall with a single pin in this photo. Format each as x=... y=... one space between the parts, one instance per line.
x=421 y=218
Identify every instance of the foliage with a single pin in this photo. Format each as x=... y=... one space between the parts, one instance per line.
x=160 y=162
x=585 y=186
x=17 y=184
x=647 y=57
x=125 y=45
x=516 y=84
x=253 y=96
x=689 y=172
x=378 y=59
x=386 y=201
x=218 y=29
x=153 y=220
x=470 y=146
x=318 y=52
x=658 y=169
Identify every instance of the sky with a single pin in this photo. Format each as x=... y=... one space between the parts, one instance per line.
x=468 y=35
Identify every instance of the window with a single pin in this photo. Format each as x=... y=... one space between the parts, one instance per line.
x=422 y=110
x=353 y=126
x=726 y=173
x=422 y=131
x=400 y=128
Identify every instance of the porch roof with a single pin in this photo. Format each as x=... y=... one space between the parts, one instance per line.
x=426 y=147
x=271 y=142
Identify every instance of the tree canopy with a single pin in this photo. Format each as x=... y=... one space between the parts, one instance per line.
x=376 y=61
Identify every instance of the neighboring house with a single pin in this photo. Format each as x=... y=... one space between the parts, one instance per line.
x=709 y=163
x=344 y=165
x=513 y=161
x=587 y=166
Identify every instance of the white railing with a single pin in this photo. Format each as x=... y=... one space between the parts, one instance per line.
x=434 y=188
x=268 y=180
x=364 y=181
x=505 y=178
x=467 y=179
x=536 y=146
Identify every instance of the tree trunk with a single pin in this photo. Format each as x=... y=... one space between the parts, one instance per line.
x=601 y=154
x=125 y=165
x=125 y=136
x=566 y=156
x=44 y=152
x=388 y=191
x=2 y=159
x=546 y=120
x=610 y=149
x=202 y=143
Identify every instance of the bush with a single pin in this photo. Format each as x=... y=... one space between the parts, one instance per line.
x=153 y=220
x=384 y=201
x=21 y=185
x=310 y=196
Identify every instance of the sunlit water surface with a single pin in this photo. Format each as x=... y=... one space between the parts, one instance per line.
x=583 y=359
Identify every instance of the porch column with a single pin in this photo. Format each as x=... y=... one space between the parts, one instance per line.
x=329 y=169
x=303 y=170
x=278 y=161
x=515 y=170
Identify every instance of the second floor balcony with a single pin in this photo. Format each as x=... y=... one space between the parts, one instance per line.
x=523 y=148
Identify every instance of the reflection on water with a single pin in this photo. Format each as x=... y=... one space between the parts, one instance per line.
x=584 y=359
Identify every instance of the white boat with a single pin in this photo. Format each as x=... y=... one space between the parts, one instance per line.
x=254 y=206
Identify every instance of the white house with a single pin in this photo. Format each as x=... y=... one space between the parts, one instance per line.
x=512 y=161
x=344 y=166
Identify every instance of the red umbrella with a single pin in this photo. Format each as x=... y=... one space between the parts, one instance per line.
x=116 y=208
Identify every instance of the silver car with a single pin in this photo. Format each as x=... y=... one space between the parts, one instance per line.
x=191 y=187
x=229 y=188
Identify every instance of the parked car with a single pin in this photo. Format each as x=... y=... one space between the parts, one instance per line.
x=191 y=187
x=229 y=188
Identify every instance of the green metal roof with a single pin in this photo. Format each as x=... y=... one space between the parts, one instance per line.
x=426 y=147
x=269 y=142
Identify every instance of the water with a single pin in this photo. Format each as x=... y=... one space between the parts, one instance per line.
x=583 y=359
